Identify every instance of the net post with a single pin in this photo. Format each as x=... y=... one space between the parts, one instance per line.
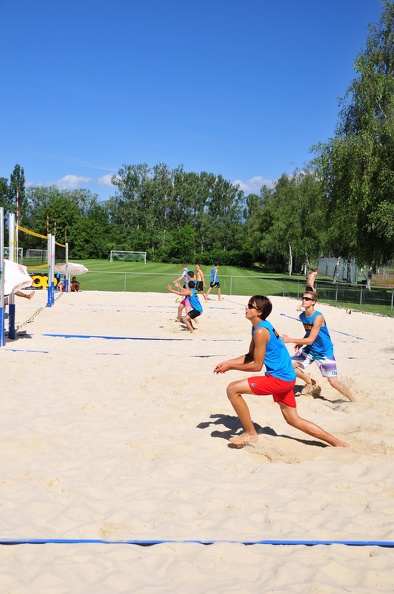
x=53 y=254
x=67 y=275
x=2 y=268
x=50 y=271
x=11 y=257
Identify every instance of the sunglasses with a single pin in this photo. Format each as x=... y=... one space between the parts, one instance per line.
x=251 y=306
x=307 y=299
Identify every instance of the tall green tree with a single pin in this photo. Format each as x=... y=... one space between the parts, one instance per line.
x=17 y=188
x=290 y=219
x=4 y=193
x=357 y=165
x=80 y=220
x=158 y=201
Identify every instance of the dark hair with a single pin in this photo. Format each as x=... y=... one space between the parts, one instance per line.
x=191 y=274
x=263 y=303
x=191 y=284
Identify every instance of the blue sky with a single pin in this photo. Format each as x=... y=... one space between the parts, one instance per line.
x=241 y=89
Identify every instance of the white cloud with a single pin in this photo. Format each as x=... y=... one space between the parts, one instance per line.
x=254 y=184
x=71 y=182
x=105 y=180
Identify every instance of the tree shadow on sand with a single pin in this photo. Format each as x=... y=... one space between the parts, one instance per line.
x=234 y=426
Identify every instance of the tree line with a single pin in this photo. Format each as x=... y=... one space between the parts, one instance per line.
x=341 y=204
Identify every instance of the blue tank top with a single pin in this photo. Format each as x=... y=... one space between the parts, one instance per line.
x=322 y=346
x=194 y=301
x=213 y=272
x=277 y=359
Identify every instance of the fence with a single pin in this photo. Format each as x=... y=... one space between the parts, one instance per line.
x=378 y=299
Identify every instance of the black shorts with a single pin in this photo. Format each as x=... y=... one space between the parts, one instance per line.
x=193 y=313
x=213 y=285
x=199 y=286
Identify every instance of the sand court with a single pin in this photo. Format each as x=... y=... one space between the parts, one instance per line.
x=114 y=428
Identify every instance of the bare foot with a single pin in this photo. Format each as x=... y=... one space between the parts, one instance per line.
x=244 y=439
x=312 y=388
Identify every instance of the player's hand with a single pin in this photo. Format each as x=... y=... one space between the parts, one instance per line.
x=221 y=367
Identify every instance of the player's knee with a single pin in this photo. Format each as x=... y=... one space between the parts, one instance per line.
x=231 y=391
x=333 y=381
x=290 y=416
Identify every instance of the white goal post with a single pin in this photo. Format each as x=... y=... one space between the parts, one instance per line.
x=20 y=253
x=125 y=256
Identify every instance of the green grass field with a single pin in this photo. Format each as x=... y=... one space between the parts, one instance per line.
x=154 y=277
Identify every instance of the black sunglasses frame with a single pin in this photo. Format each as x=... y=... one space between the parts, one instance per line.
x=251 y=306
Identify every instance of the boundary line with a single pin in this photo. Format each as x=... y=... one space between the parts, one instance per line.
x=151 y=542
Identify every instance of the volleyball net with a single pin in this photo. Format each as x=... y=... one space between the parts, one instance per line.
x=37 y=256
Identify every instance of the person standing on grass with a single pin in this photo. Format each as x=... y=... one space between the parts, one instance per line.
x=310 y=281
x=196 y=307
x=315 y=346
x=267 y=348
x=214 y=281
x=200 y=281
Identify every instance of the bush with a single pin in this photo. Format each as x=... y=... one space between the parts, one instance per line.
x=231 y=258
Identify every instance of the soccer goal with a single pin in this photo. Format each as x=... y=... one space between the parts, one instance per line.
x=37 y=253
x=124 y=256
x=20 y=253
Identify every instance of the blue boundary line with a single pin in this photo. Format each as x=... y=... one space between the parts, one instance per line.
x=134 y=337
x=110 y=337
x=25 y=351
x=331 y=330
x=150 y=542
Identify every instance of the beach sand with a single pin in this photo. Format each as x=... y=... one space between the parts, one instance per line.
x=114 y=428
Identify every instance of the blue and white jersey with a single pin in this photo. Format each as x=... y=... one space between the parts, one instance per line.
x=322 y=346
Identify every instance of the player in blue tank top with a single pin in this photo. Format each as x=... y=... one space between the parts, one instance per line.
x=316 y=345
x=214 y=281
x=196 y=307
x=266 y=348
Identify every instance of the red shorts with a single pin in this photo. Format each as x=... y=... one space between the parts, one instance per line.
x=282 y=391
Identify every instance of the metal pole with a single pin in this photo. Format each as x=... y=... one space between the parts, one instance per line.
x=12 y=252
x=2 y=334
x=67 y=277
x=50 y=272
x=53 y=254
